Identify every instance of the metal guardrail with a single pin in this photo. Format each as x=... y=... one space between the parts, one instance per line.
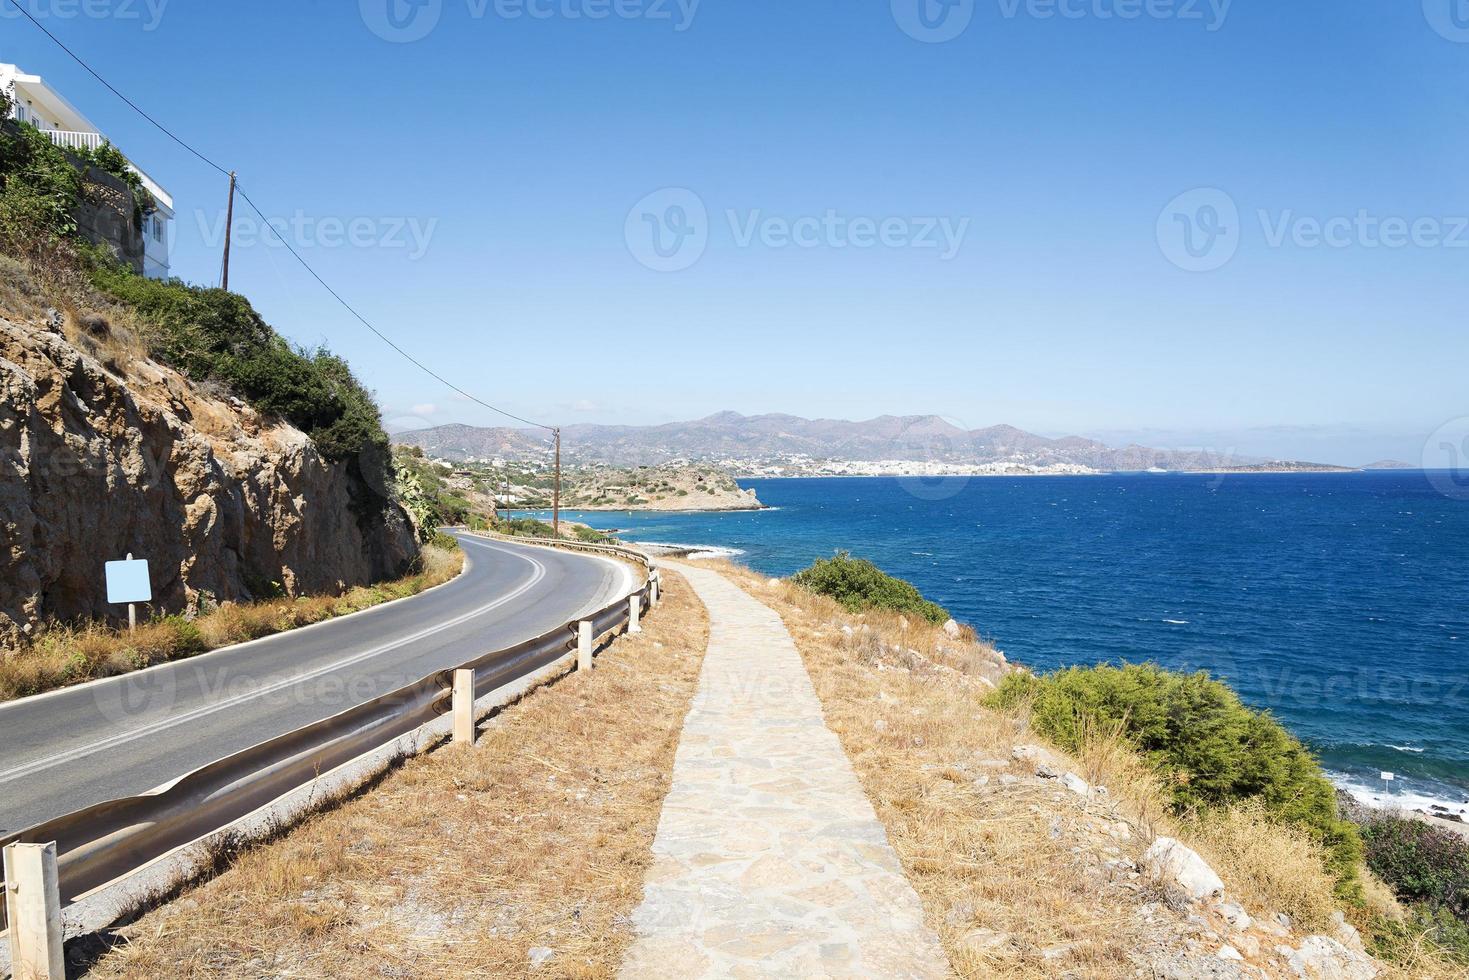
x=107 y=841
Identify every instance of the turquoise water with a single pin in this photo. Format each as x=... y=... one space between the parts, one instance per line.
x=1337 y=601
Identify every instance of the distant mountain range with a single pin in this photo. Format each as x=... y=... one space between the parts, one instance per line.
x=731 y=438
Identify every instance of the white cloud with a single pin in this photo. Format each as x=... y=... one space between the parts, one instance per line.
x=425 y=409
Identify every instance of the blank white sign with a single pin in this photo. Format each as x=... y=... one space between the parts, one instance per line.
x=127 y=581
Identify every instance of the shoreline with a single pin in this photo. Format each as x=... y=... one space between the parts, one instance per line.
x=1325 y=471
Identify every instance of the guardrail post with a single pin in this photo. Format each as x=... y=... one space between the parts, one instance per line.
x=584 y=645
x=33 y=908
x=653 y=588
x=463 y=706
x=634 y=603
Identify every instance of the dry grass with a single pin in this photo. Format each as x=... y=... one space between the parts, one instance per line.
x=1015 y=877
x=462 y=861
x=66 y=655
x=998 y=867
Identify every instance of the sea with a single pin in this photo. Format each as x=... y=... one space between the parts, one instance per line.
x=1339 y=602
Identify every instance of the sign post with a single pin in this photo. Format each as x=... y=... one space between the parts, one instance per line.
x=127 y=582
x=1387 y=779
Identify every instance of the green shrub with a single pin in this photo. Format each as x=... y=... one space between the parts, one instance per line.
x=591 y=535
x=1209 y=748
x=212 y=334
x=526 y=527
x=1420 y=862
x=857 y=584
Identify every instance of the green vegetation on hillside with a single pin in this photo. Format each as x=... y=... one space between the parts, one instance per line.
x=1427 y=867
x=1210 y=749
x=857 y=585
x=210 y=335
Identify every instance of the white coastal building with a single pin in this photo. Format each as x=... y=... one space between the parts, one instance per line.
x=39 y=104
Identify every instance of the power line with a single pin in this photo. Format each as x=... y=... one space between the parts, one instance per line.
x=380 y=335
x=74 y=57
x=289 y=247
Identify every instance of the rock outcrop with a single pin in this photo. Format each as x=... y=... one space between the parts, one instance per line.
x=103 y=452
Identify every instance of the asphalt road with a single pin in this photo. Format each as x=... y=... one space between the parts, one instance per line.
x=125 y=735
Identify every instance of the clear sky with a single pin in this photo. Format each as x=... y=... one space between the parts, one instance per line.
x=1243 y=225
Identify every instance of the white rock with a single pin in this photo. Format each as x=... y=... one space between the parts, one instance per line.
x=1322 y=956
x=880 y=725
x=1076 y=784
x=1008 y=780
x=1169 y=858
x=846 y=631
x=886 y=698
x=539 y=955
x=1346 y=933
x=1228 y=952
x=951 y=630
x=1234 y=914
x=773 y=583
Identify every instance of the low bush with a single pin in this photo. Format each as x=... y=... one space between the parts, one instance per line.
x=1420 y=862
x=857 y=584
x=1209 y=748
x=526 y=527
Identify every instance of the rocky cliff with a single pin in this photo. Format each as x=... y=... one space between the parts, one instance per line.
x=105 y=452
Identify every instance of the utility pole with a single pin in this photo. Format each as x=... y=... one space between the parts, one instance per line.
x=556 y=496
x=229 y=223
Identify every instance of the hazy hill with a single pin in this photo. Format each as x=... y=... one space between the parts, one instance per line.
x=749 y=439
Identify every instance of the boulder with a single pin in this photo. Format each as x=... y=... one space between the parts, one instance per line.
x=1170 y=859
x=1076 y=784
x=1324 y=958
x=951 y=630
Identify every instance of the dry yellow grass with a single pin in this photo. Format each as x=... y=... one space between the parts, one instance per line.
x=462 y=861
x=1015 y=878
x=66 y=655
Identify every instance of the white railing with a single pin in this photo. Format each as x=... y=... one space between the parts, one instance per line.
x=75 y=141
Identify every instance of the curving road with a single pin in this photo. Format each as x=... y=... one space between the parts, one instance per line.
x=125 y=735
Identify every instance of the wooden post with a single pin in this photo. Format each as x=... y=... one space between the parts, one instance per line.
x=556 y=494
x=463 y=707
x=229 y=221
x=33 y=908
x=633 y=604
x=584 y=645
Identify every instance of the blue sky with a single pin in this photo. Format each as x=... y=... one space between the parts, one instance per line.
x=1029 y=222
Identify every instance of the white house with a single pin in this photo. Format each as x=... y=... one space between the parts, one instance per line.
x=39 y=104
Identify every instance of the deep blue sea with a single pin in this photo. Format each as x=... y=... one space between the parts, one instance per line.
x=1340 y=602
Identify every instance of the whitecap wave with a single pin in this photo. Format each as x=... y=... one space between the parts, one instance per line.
x=1176 y=622
x=1401 y=796
x=693 y=552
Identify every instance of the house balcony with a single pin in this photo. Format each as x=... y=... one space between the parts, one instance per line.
x=75 y=141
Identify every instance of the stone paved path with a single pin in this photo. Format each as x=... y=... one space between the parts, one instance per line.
x=769 y=860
